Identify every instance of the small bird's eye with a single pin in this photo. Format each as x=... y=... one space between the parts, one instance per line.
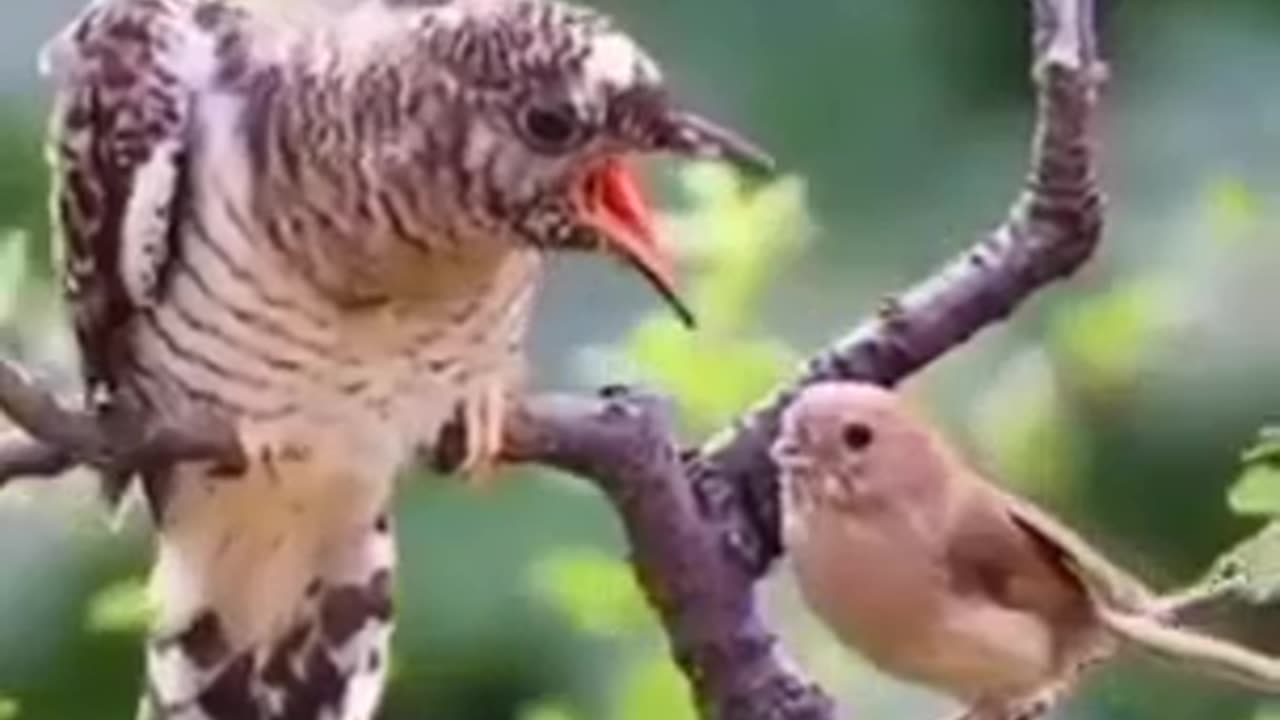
x=551 y=128
x=856 y=436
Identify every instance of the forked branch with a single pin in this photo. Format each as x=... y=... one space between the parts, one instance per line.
x=703 y=525
x=705 y=529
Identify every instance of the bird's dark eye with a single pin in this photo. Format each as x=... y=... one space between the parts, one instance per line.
x=552 y=128
x=856 y=436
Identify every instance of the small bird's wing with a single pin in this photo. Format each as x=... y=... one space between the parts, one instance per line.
x=1107 y=583
x=1001 y=550
x=125 y=73
x=1009 y=548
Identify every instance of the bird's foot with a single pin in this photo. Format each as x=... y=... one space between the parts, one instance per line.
x=483 y=418
x=1030 y=707
x=1034 y=707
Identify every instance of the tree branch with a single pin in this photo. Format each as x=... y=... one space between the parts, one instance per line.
x=704 y=530
x=623 y=441
x=703 y=524
x=1052 y=229
x=118 y=443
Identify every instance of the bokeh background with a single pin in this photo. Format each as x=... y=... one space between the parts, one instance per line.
x=1122 y=400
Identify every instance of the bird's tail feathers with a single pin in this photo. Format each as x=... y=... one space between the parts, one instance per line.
x=324 y=655
x=1198 y=652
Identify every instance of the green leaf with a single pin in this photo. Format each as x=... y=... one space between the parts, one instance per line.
x=1268 y=712
x=655 y=689
x=545 y=711
x=1252 y=567
x=13 y=270
x=739 y=239
x=1266 y=449
x=121 y=607
x=746 y=238
x=1022 y=425
x=8 y=708
x=1108 y=337
x=1257 y=490
x=597 y=591
x=1235 y=211
x=712 y=378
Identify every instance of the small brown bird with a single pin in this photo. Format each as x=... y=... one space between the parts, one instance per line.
x=938 y=576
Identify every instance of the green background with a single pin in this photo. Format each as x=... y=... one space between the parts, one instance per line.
x=1121 y=400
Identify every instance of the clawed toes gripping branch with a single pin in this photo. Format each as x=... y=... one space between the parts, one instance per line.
x=703 y=524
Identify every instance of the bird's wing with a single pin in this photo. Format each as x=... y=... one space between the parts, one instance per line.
x=1019 y=555
x=992 y=556
x=1106 y=582
x=125 y=73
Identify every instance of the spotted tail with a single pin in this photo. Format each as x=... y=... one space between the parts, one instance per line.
x=265 y=623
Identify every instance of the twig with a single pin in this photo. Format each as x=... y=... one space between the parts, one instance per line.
x=39 y=413
x=118 y=443
x=1175 y=606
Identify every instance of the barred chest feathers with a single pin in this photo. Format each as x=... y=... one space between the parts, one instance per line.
x=336 y=371
x=303 y=308
x=331 y=233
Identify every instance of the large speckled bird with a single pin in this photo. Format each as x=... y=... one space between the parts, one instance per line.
x=330 y=234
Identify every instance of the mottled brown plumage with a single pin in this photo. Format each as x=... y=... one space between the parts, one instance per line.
x=329 y=232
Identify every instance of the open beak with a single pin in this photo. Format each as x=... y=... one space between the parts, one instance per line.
x=684 y=133
x=610 y=199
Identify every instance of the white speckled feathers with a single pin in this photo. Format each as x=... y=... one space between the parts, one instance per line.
x=125 y=75
x=328 y=228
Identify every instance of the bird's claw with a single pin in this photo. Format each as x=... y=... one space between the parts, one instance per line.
x=483 y=417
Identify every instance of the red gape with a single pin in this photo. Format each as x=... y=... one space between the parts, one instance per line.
x=621 y=196
x=615 y=203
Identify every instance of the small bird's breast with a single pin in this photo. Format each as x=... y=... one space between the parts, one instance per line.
x=882 y=590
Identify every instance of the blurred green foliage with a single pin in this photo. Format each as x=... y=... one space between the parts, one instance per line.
x=1256 y=562
x=546 y=712
x=1106 y=338
x=741 y=240
x=1119 y=399
x=1257 y=490
x=1027 y=431
x=1255 y=565
x=594 y=589
x=122 y=606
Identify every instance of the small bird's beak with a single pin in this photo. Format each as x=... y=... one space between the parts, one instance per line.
x=611 y=202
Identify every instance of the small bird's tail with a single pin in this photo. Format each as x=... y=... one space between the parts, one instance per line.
x=1198 y=652
x=277 y=611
